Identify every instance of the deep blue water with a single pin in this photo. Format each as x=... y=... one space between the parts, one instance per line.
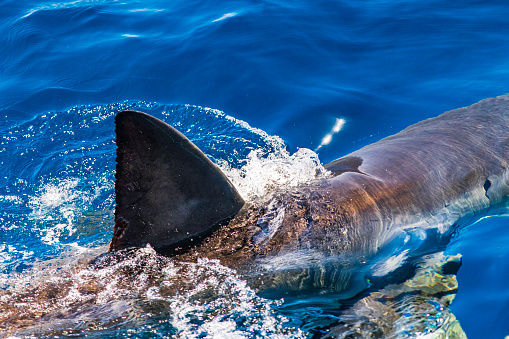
x=289 y=68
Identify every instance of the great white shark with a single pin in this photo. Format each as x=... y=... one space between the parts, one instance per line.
x=431 y=178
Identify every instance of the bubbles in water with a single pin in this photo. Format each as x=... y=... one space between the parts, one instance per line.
x=138 y=290
x=58 y=204
x=262 y=174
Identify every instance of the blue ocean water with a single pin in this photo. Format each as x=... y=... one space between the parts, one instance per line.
x=288 y=68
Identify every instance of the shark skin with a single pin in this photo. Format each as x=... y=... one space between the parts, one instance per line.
x=430 y=179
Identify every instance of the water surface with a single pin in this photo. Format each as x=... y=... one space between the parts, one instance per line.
x=288 y=68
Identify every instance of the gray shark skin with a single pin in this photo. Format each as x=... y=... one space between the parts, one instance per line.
x=437 y=175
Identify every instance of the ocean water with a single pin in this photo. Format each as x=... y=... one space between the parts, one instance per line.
x=259 y=86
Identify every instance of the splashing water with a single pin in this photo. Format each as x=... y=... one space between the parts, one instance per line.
x=262 y=174
x=141 y=290
x=57 y=203
x=48 y=288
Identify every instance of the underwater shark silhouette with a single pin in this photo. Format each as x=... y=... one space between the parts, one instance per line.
x=432 y=177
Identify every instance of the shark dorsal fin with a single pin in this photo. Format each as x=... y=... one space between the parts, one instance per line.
x=345 y=164
x=167 y=191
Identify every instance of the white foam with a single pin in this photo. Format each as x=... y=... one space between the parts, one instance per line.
x=204 y=299
x=57 y=204
x=263 y=173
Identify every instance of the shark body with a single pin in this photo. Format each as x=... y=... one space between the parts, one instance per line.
x=429 y=179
